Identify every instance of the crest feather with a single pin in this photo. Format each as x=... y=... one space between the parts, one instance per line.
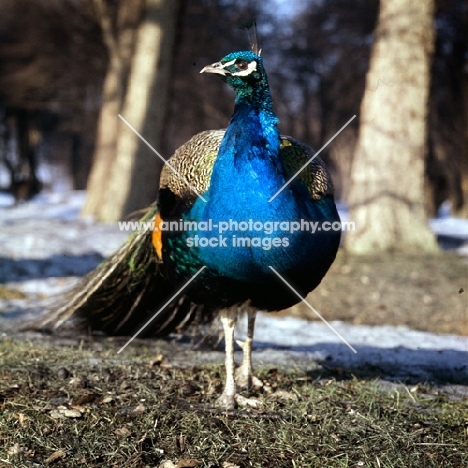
x=252 y=35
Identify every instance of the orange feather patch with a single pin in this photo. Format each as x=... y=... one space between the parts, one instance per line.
x=157 y=236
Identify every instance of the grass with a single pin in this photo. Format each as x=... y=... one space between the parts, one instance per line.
x=79 y=404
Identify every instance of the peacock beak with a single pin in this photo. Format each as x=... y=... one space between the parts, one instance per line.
x=217 y=67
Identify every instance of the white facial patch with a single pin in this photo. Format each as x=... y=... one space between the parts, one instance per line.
x=227 y=64
x=250 y=68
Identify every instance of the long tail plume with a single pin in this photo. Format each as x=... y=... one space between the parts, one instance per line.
x=121 y=294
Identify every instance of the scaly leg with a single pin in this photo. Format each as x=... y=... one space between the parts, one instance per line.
x=244 y=372
x=228 y=319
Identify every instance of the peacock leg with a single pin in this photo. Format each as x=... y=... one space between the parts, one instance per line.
x=228 y=320
x=244 y=375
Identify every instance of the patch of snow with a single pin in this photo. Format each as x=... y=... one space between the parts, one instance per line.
x=6 y=200
x=450 y=227
x=452 y=233
x=398 y=353
x=46 y=206
x=292 y=332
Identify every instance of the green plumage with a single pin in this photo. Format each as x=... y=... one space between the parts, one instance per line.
x=122 y=294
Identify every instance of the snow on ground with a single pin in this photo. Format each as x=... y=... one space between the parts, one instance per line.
x=44 y=248
x=45 y=239
x=398 y=353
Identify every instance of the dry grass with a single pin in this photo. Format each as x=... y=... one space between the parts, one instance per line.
x=86 y=406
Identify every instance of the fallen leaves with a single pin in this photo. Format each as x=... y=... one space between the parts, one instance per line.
x=17 y=450
x=63 y=412
x=122 y=432
x=250 y=402
x=58 y=455
x=21 y=417
x=157 y=360
x=191 y=462
x=132 y=411
x=285 y=395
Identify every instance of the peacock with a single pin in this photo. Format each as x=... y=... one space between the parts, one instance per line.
x=231 y=224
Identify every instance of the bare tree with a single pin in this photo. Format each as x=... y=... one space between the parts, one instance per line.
x=387 y=192
x=447 y=162
x=125 y=173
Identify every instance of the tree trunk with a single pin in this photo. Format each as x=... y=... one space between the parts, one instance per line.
x=387 y=180
x=126 y=173
x=118 y=35
x=106 y=142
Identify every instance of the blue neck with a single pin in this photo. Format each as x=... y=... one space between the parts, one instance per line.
x=252 y=132
x=248 y=170
x=248 y=158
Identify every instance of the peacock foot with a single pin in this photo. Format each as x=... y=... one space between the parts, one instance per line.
x=231 y=402
x=246 y=380
x=250 y=402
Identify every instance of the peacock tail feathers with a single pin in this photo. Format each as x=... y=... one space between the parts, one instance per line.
x=122 y=294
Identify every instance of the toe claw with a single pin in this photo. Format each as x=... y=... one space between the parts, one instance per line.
x=227 y=402
x=252 y=402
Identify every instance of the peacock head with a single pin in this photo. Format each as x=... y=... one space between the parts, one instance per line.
x=243 y=71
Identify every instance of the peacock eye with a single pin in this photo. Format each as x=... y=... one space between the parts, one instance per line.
x=242 y=65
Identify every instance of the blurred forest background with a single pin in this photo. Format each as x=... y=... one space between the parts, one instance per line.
x=68 y=68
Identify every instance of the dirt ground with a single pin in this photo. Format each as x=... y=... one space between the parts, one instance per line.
x=428 y=293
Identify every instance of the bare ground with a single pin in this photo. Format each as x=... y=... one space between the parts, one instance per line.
x=423 y=292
